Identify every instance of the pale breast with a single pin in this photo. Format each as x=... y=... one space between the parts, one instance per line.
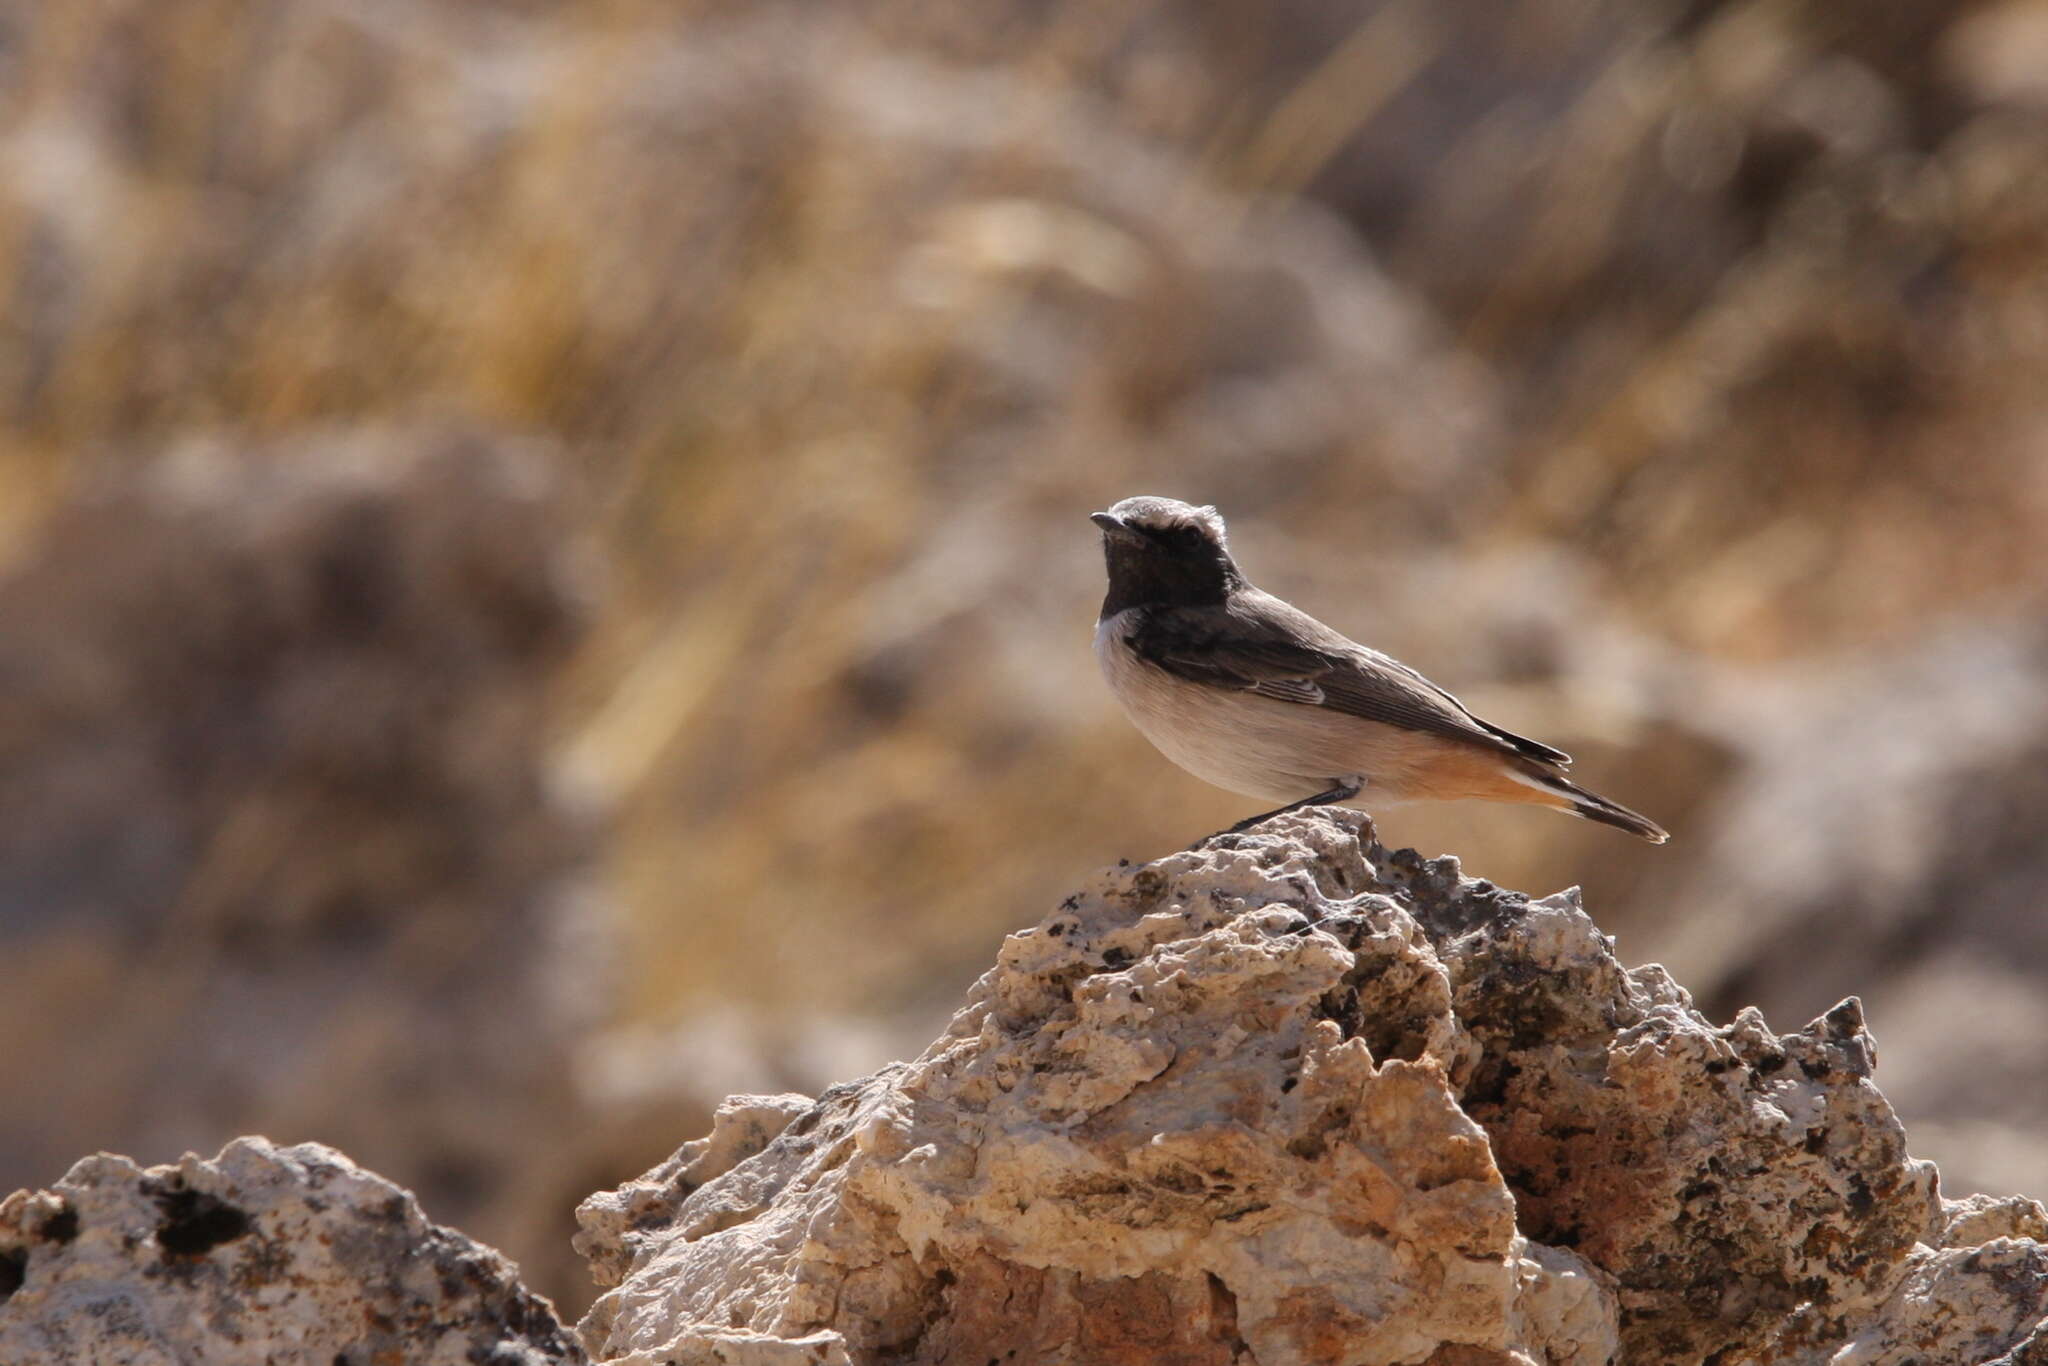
x=1275 y=751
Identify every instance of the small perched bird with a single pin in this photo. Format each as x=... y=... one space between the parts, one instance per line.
x=1256 y=696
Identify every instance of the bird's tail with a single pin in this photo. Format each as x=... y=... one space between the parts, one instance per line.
x=1569 y=796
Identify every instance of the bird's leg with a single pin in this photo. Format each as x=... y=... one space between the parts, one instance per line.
x=1342 y=791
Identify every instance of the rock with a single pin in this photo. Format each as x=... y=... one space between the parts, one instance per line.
x=1206 y=1112
x=1288 y=1099
x=263 y=1255
x=1291 y=1098
x=1980 y=1218
x=740 y=1128
x=1978 y=1294
x=1723 y=1176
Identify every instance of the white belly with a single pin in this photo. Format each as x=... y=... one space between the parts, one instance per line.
x=1275 y=751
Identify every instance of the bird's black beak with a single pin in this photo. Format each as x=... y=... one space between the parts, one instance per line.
x=1114 y=526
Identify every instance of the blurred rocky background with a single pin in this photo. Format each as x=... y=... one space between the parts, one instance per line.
x=544 y=575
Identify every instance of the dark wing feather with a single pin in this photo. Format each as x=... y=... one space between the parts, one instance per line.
x=1259 y=644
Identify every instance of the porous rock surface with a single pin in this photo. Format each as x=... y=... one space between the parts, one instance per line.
x=1291 y=1098
x=1286 y=1098
x=264 y=1256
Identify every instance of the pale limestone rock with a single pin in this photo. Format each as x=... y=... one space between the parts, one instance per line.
x=1979 y=1294
x=741 y=1127
x=1288 y=1099
x=1984 y=1306
x=264 y=1255
x=1207 y=1111
x=741 y=1348
x=1291 y=1098
x=1980 y=1218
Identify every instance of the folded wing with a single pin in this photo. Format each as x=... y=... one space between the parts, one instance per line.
x=1261 y=645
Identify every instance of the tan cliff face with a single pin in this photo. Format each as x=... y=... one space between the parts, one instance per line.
x=1289 y=1099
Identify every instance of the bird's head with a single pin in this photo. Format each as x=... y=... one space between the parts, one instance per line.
x=1162 y=552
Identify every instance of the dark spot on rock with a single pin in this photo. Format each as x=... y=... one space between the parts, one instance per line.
x=1289 y=1085
x=1223 y=1315
x=1072 y=903
x=60 y=1227
x=1116 y=959
x=1816 y=1140
x=1489 y=1084
x=1718 y=1066
x=1770 y=1063
x=1861 y=1201
x=13 y=1271
x=1814 y=1070
x=195 y=1223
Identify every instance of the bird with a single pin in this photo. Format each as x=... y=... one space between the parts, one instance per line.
x=1250 y=693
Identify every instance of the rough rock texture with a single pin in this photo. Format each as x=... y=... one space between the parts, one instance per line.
x=264 y=1255
x=1291 y=1098
x=1286 y=1099
x=1976 y=1292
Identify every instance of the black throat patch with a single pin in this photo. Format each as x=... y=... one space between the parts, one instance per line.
x=1157 y=572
